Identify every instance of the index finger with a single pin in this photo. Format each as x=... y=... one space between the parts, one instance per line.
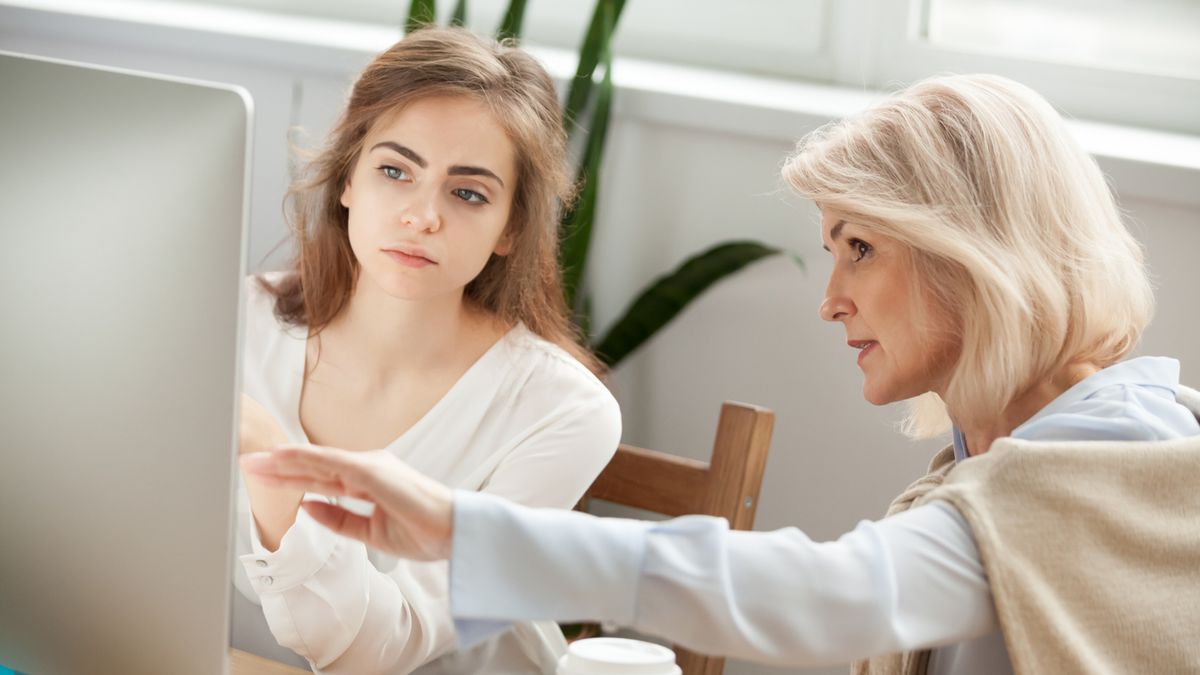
x=302 y=461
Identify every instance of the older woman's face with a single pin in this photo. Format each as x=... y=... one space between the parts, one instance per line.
x=870 y=293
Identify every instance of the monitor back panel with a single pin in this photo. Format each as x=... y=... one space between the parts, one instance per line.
x=122 y=209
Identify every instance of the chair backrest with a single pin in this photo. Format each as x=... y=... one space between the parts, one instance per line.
x=726 y=486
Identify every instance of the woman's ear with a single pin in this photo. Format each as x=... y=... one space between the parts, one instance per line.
x=345 y=198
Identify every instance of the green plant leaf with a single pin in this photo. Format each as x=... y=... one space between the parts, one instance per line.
x=420 y=13
x=459 y=17
x=668 y=295
x=595 y=42
x=514 y=19
x=577 y=222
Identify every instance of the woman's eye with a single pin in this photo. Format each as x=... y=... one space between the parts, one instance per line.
x=470 y=196
x=394 y=173
x=860 y=247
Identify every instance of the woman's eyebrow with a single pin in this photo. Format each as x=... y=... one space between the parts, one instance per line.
x=835 y=232
x=403 y=150
x=456 y=170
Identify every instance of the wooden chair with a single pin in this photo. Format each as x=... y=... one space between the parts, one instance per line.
x=726 y=486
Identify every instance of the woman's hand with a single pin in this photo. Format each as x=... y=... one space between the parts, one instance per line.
x=414 y=514
x=274 y=508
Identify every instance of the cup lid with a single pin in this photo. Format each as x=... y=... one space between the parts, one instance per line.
x=613 y=656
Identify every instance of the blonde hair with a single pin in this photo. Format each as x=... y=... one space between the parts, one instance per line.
x=1010 y=225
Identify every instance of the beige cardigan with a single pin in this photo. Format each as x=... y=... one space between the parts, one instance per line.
x=1091 y=548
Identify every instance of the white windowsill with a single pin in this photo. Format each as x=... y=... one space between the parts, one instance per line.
x=1146 y=163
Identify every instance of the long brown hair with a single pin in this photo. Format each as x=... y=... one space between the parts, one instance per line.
x=524 y=285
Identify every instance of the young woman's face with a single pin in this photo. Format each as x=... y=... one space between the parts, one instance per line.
x=429 y=197
x=904 y=343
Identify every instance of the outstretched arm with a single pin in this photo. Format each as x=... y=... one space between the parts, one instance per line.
x=908 y=582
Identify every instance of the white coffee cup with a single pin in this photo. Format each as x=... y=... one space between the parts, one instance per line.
x=617 y=656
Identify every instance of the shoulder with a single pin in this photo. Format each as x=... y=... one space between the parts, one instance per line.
x=1135 y=400
x=1118 y=412
x=544 y=372
x=263 y=332
x=550 y=365
x=258 y=296
x=260 y=302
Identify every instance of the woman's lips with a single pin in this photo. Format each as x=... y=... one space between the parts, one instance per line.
x=408 y=259
x=864 y=347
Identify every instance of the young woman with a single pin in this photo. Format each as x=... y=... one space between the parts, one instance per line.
x=423 y=316
x=980 y=268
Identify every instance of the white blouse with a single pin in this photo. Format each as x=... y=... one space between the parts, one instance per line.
x=526 y=422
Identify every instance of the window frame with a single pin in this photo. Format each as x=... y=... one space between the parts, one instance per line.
x=876 y=46
x=1161 y=102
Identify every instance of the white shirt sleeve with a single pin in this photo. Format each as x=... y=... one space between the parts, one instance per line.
x=324 y=599
x=912 y=581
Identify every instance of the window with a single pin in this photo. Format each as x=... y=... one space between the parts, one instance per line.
x=1151 y=36
x=1131 y=62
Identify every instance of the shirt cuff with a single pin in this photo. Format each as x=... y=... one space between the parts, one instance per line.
x=303 y=550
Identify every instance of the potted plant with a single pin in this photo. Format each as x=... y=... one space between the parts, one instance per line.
x=586 y=111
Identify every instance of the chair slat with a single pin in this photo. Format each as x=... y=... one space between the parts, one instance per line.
x=653 y=481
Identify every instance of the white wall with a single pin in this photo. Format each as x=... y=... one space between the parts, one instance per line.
x=686 y=170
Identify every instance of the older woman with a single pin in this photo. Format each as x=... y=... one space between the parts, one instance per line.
x=982 y=270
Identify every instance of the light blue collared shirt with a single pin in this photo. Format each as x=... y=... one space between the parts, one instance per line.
x=1132 y=400
x=906 y=582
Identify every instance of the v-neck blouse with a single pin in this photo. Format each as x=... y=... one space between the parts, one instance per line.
x=526 y=421
x=492 y=366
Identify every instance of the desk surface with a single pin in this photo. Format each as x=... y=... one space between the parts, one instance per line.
x=244 y=663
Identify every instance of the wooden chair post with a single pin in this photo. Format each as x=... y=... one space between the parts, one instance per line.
x=739 y=459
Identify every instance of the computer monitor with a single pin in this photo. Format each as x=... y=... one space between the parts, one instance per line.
x=123 y=206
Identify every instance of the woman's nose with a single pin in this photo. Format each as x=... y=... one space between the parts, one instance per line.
x=836 y=306
x=422 y=213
